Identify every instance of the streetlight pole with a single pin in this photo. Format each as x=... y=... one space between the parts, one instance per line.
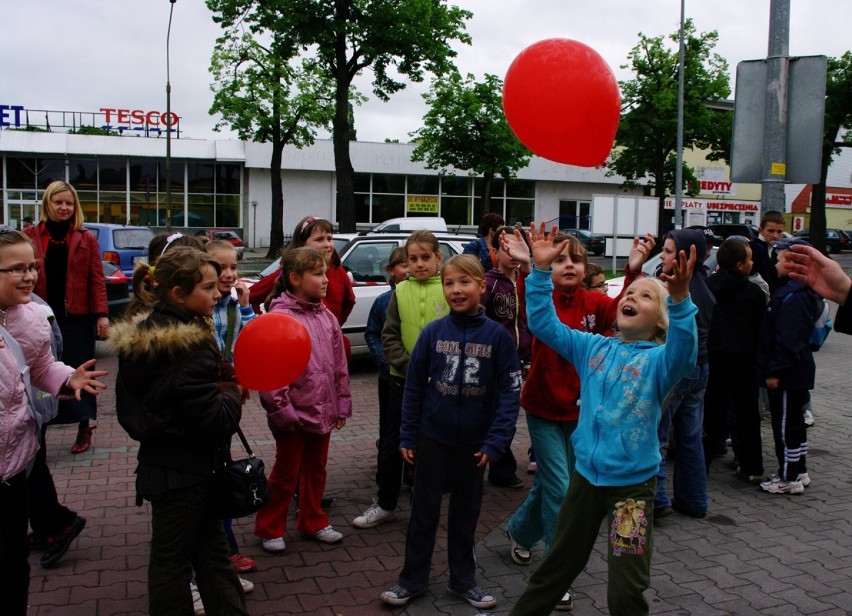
x=678 y=215
x=168 y=127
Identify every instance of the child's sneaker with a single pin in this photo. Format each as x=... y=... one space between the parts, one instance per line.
x=477 y=597
x=809 y=417
x=247 y=585
x=566 y=603
x=775 y=485
x=520 y=554
x=803 y=477
x=328 y=535
x=243 y=564
x=274 y=546
x=374 y=516
x=400 y=595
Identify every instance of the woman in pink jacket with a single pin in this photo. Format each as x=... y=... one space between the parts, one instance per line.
x=303 y=414
x=25 y=357
x=72 y=282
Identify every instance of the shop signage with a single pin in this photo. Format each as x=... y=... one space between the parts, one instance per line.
x=421 y=204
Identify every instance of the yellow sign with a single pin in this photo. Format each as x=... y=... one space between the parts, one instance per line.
x=421 y=204
x=778 y=169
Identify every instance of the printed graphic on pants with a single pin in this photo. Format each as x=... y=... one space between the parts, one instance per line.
x=629 y=530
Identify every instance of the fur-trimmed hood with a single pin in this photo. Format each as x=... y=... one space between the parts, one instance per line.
x=157 y=333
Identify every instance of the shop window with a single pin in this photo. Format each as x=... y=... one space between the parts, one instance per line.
x=200 y=177
x=49 y=170
x=388 y=183
x=524 y=189
x=143 y=175
x=520 y=210
x=178 y=169
x=455 y=185
x=498 y=188
x=362 y=208
x=113 y=174
x=227 y=179
x=388 y=206
x=227 y=210
x=456 y=210
x=200 y=211
x=83 y=173
x=362 y=182
x=20 y=172
x=422 y=185
x=111 y=209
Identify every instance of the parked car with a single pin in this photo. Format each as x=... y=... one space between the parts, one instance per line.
x=835 y=239
x=118 y=297
x=715 y=240
x=728 y=229
x=365 y=256
x=651 y=265
x=121 y=245
x=224 y=234
x=592 y=242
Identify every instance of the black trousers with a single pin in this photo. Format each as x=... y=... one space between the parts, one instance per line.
x=14 y=550
x=436 y=464
x=789 y=431
x=48 y=517
x=78 y=346
x=389 y=462
x=185 y=537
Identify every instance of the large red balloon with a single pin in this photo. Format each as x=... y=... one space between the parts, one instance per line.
x=562 y=101
x=271 y=352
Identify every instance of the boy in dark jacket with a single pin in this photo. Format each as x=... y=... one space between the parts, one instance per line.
x=732 y=392
x=785 y=365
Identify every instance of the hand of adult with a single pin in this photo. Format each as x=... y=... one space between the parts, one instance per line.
x=102 y=327
x=825 y=276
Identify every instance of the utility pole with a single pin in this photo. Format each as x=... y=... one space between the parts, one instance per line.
x=168 y=127
x=775 y=118
x=678 y=213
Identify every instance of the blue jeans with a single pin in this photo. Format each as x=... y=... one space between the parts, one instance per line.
x=536 y=518
x=684 y=416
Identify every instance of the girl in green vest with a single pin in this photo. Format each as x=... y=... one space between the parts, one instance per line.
x=414 y=303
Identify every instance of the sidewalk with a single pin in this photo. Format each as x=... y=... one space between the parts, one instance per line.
x=755 y=553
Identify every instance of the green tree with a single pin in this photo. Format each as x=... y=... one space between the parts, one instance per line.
x=265 y=94
x=838 y=115
x=465 y=128
x=399 y=42
x=646 y=141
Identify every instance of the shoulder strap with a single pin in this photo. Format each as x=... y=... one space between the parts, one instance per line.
x=25 y=370
x=227 y=352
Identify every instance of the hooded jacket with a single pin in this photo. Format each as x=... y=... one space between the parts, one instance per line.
x=170 y=373
x=463 y=385
x=740 y=306
x=321 y=395
x=502 y=305
x=19 y=430
x=699 y=293
x=624 y=386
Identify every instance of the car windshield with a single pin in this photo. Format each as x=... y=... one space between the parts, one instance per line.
x=136 y=239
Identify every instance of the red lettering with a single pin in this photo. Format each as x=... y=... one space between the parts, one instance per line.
x=169 y=119
x=153 y=118
x=107 y=111
x=138 y=116
x=122 y=116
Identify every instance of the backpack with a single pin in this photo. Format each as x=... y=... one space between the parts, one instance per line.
x=822 y=323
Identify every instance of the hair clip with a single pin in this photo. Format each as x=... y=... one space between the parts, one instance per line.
x=170 y=239
x=151 y=269
x=308 y=221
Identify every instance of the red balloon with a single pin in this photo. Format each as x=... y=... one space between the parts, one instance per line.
x=562 y=102
x=271 y=352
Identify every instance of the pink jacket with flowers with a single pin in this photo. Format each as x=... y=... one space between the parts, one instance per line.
x=321 y=395
x=18 y=429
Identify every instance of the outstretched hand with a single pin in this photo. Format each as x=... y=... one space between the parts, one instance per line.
x=86 y=380
x=640 y=252
x=678 y=280
x=544 y=252
x=825 y=276
x=515 y=246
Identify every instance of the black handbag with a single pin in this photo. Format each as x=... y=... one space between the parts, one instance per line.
x=239 y=486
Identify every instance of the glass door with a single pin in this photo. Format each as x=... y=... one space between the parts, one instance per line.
x=22 y=204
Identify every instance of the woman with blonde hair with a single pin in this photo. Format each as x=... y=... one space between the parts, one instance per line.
x=72 y=283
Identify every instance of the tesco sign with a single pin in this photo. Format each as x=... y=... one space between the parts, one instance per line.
x=138 y=117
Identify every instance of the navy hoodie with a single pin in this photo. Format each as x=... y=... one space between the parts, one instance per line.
x=463 y=385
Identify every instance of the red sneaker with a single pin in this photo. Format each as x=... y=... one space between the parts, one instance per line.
x=243 y=564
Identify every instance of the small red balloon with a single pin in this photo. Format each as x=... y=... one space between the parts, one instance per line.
x=271 y=352
x=562 y=101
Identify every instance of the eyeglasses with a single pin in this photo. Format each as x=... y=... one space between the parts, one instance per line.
x=600 y=285
x=20 y=270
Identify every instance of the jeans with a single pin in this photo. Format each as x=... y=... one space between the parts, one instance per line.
x=684 y=417
x=389 y=461
x=536 y=518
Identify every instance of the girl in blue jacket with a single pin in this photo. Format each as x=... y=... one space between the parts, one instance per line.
x=460 y=405
x=624 y=383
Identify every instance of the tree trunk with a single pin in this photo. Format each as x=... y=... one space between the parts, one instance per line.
x=276 y=221
x=342 y=163
x=816 y=226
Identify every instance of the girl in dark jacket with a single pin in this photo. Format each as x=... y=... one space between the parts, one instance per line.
x=173 y=395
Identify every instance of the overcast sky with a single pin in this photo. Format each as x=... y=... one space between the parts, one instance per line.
x=82 y=55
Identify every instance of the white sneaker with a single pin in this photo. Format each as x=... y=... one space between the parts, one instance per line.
x=809 y=417
x=803 y=477
x=520 y=554
x=247 y=585
x=274 y=546
x=328 y=535
x=374 y=516
x=566 y=603
x=782 y=487
x=197 y=605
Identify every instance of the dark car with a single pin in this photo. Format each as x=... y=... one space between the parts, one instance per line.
x=835 y=239
x=592 y=242
x=116 y=289
x=712 y=238
x=226 y=235
x=121 y=245
x=726 y=230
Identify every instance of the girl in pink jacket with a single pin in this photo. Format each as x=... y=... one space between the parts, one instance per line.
x=25 y=358
x=303 y=414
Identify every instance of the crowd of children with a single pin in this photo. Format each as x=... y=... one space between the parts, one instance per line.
x=608 y=378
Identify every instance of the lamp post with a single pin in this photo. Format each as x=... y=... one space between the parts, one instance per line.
x=678 y=213
x=169 y=128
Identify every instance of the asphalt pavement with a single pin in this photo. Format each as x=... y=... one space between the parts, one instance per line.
x=754 y=554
